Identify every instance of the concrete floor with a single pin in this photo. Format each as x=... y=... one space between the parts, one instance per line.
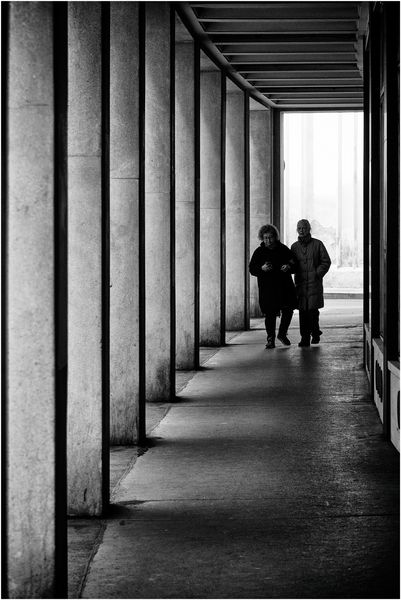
x=267 y=478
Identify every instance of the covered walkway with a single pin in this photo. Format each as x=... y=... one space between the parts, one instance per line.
x=142 y=150
x=269 y=477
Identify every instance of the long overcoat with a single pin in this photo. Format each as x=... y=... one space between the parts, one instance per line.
x=276 y=288
x=313 y=262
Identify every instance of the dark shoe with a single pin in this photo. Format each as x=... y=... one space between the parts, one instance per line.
x=270 y=343
x=315 y=339
x=284 y=339
x=304 y=343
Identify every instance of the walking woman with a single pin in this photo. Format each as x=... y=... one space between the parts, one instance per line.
x=272 y=263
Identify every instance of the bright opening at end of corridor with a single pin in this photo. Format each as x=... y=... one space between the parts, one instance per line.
x=323 y=182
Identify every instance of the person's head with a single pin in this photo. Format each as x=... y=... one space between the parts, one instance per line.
x=269 y=235
x=303 y=228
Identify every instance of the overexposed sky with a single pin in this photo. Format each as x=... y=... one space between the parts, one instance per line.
x=323 y=155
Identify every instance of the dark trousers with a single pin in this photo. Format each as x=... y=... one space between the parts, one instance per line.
x=270 y=322
x=309 y=323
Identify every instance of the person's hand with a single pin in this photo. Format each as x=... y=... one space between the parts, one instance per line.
x=267 y=267
x=285 y=268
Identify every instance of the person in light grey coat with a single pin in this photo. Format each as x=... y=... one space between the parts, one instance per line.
x=313 y=262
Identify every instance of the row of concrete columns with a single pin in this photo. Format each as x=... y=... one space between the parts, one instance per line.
x=134 y=187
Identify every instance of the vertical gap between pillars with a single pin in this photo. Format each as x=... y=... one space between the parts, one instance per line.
x=141 y=228
x=276 y=196
x=366 y=203
x=223 y=211
x=392 y=29
x=197 y=199
x=366 y=207
x=246 y=209
x=4 y=282
x=375 y=172
x=105 y=254
x=60 y=69
x=172 y=204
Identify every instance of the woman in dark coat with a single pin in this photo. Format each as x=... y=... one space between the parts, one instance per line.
x=272 y=263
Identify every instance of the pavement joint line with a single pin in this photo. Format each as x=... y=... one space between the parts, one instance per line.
x=305 y=517
x=127 y=469
x=96 y=545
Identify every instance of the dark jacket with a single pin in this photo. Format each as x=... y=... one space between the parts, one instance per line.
x=313 y=263
x=276 y=288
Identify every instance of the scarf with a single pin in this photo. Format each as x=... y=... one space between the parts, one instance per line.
x=305 y=239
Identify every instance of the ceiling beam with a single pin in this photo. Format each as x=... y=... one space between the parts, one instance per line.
x=295 y=68
x=290 y=59
x=284 y=27
x=312 y=89
x=247 y=4
x=303 y=82
x=317 y=100
x=278 y=38
x=290 y=12
x=272 y=48
x=295 y=95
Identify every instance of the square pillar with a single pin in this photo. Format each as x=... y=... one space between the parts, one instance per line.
x=260 y=142
x=159 y=203
x=212 y=220
x=185 y=204
x=235 y=211
x=87 y=443
x=33 y=523
x=125 y=310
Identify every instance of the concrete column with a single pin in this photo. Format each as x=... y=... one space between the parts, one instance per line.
x=235 y=212
x=210 y=209
x=85 y=430
x=29 y=356
x=124 y=222
x=158 y=214
x=260 y=187
x=185 y=205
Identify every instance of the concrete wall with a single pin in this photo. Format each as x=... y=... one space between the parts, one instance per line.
x=235 y=212
x=210 y=208
x=29 y=383
x=185 y=205
x=158 y=201
x=84 y=260
x=260 y=151
x=124 y=222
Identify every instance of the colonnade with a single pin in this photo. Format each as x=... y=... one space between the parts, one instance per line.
x=136 y=175
x=136 y=178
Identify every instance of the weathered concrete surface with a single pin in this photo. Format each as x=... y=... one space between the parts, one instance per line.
x=124 y=222
x=260 y=156
x=235 y=212
x=185 y=205
x=270 y=479
x=158 y=201
x=84 y=443
x=29 y=381
x=210 y=209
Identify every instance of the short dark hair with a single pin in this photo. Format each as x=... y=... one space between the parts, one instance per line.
x=268 y=229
